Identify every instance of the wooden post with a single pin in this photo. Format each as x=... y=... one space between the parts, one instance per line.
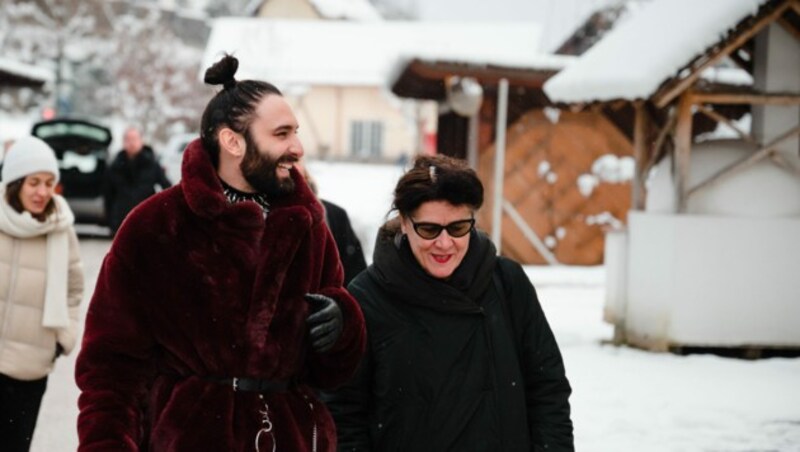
x=683 y=146
x=659 y=147
x=499 y=163
x=640 y=154
x=472 y=141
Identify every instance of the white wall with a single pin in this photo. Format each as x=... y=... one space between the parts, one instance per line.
x=776 y=70
x=713 y=281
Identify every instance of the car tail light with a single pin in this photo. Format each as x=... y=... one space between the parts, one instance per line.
x=59 y=189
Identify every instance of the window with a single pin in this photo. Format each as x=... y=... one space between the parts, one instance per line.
x=366 y=138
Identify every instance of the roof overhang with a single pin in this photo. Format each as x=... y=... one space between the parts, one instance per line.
x=16 y=74
x=425 y=79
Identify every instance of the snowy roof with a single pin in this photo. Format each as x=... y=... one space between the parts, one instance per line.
x=317 y=52
x=648 y=48
x=36 y=74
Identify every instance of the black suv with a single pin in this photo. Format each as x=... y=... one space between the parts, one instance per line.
x=81 y=148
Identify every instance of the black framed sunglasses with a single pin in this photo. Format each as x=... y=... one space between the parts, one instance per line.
x=430 y=231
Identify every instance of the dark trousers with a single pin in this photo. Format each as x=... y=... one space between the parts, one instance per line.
x=19 y=408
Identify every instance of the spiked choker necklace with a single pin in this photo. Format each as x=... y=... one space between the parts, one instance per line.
x=235 y=196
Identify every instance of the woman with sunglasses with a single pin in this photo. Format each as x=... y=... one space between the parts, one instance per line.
x=460 y=356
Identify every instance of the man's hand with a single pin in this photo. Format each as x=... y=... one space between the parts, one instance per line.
x=325 y=322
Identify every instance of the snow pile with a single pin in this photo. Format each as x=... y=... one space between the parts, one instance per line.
x=607 y=168
x=724 y=131
x=604 y=219
x=727 y=75
x=647 y=48
x=547 y=173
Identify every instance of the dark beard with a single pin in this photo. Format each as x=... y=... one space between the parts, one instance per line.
x=260 y=171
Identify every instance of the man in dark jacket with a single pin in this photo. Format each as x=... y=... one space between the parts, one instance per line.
x=131 y=178
x=219 y=310
x=347 y=242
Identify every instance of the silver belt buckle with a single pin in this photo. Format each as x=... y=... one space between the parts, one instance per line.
x=235 y=384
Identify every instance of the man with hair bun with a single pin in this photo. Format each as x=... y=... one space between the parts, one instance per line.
x=219 y=311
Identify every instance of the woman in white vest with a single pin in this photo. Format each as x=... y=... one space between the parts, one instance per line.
x=41 y=285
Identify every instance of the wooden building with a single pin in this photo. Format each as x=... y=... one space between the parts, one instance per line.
x=704 y=262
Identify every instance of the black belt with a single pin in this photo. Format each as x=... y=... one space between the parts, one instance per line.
x=252 y=384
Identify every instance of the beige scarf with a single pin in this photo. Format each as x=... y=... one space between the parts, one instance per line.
x=56 y=227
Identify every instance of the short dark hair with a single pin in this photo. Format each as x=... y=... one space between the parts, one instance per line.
x=231 y=107
x=437 y=178
x=13 y=190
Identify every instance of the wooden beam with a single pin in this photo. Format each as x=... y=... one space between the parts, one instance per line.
x=640 y=154
x=683 y=147
x=741 y=62
x=783 y=163
x=746 y=161
x=658 y=148
x=719 y=118
x=662 y=99
x=747 y=98
x=789 y=28
x=529 y=233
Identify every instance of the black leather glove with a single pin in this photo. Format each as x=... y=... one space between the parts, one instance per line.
x=325 y=321
x=59 y=351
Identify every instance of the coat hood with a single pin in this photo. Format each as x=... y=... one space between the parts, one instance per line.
x=397 y=270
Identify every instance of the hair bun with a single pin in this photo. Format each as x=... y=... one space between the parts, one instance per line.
x=222 y=72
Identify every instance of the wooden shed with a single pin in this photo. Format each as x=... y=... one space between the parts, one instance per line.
x=704 y=262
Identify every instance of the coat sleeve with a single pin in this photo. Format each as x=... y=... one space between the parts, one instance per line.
x=114 y=367
x=351 y=404
x=332 y=368
x=353 y=255
x=109 y=191
x=163 y=181
x=547 y=389
x=67 y=337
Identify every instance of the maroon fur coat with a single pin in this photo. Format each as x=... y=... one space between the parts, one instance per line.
x=194 y=287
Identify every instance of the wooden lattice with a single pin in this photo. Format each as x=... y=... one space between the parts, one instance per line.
x=556 y=208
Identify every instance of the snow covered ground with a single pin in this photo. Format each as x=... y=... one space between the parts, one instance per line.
x=623 y=399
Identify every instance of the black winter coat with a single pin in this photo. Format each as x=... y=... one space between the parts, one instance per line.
x=129 y=182
x=347 y=242
x=468 y=364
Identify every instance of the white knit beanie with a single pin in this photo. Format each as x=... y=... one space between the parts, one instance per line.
x=26 y=156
